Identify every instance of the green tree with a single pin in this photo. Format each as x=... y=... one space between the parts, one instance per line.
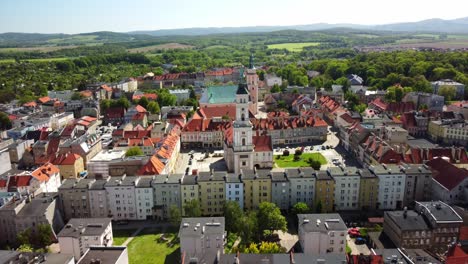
x=270 y=248
x=25 y=248
x=252 y=249
x=153 y=107
x=143 y=102
x=249 y=227
x=44 y=235
x=233 y=216
x=192 y=93
x=5 y=122
x=270 y=217
x=300 y=208
x=24 y=237
x=448 y=92
x=174 y=215
x=165 y=98
x=76 y=96
x=192 y=208
x=275 y=88
x=360 y=108
x=318 y=207
x=104 y=105
x=133 y=151
x=315 y=164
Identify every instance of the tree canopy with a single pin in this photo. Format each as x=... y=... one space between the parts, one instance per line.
x=192 y=208
x=271 y=217
x=134 y=151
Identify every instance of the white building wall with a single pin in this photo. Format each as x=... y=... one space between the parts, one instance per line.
x=122 y=202
x=347 y=192
x=98 y=203
x=235 y=192
x=302 y=190
x=391 y=190
x=144 y=202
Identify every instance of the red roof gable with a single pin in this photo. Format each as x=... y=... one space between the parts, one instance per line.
x=262 y=143
x=446 y=173
x=153 y=167
x=44 y=172
x=19 y=181
x=65 y=159
x=44 y=99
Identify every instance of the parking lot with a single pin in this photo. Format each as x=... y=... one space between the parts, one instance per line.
x=199 y=162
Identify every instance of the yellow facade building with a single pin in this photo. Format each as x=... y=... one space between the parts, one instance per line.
x=212 y=192
x=70 y=165
x=368 y=191
x=257 y=188
x=188 y=190
x=324 y=192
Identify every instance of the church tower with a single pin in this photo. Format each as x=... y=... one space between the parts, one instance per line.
x=252 y=85
x=242 y=131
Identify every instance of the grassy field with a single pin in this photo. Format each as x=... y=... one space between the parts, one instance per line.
x=216 y=47
x=288 y=161
x=293 y=47
x=39 y=49
x=74 y=39
x=121 y=235
x=148 y=248
x=34 y=60
x=160 y=47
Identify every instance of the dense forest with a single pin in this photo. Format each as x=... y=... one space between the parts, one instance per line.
x=27 y=75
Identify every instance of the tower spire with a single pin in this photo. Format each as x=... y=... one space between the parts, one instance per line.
x=251 y=61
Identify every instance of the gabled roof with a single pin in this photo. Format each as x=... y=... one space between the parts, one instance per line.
x=65 y=159
x=44 y=172
x=153 y=167
x=140 y=109
x=19 y=181
x=44 y=99
x=446 y=173
x=262 y=143
x=106 y=87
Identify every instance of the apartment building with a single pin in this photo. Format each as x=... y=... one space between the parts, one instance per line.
x=235 y=189
x=212 y=192
x=418 y=183
x=121 y=198
x=368 y=190
x=347 y=180
x=166 y=191
x=257 y=187
x=322 y=233
x=280 y=190
x=449 y=131
x=324 y=192
x=74 y=198
x=188 y=190
x=202 y=239
x=391 y=186
x=301 y=186
x=144 y=198
x=98 y=203
x=79 y=234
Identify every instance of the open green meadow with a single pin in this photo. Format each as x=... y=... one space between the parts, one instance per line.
x=293 y=47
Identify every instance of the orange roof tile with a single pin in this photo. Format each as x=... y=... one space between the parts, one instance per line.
x=44 y=172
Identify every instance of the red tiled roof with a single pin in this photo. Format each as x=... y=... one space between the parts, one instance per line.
x=289 y=122
x=153 y=167
x=68 y=130
x=140 y=109
x=44 y=172
x=136 y=133
x=3 y=183
x=44 y=99
x=19 y=181
x=446 y=173
x=53 y=146
x=12 y=117
x=219 y=111
x=115 y=112
x=86 y=93
x=139 y=116
x=30 y=104
x=106 y=87
x=262 y=143
x=149 y=96
x=65 y=159
x=278 y=114
x=379 y=103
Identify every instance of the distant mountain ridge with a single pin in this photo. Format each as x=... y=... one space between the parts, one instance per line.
x=459 y=25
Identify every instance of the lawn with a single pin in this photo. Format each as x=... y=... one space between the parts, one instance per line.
x=293 y=47
x=148 y=248
x=288 y=161
x=165 y=46
x=34 y=60
x=121 y=235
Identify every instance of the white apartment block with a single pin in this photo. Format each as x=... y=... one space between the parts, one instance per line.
x=144 y=198
x=301 y=186
x=166 y=193
x=121 y=198
x=347 y=183
x=79 y=234
x=391 y=186
x=322 y=233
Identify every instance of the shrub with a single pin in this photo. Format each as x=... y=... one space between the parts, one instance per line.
x=298 y=152
x=286 y=153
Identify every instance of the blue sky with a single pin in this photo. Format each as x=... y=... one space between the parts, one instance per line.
x=75 y=16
